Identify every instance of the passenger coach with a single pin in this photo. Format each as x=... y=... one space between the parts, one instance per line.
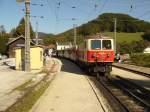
x=95 y=54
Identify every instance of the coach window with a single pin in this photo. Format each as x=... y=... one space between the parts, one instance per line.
x=106 y=44
x=95 y=44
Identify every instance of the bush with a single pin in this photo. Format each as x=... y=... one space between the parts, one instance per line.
x=3 y=42
x=141 y=59
x=146 y=35
x=133 y=47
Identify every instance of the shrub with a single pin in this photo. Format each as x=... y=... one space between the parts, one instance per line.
x=141 y=59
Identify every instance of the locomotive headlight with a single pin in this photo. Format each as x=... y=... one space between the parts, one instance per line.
x=94 y=55
x=108 y=55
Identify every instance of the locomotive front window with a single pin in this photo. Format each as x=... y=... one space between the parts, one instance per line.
x=95 y=44
x=107 y=44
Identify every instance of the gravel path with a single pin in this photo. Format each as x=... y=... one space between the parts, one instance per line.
x=69 y=92
x=10 y=79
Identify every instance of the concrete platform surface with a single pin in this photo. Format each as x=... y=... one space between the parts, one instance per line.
x=145 y=70
x=136 y=78
x=69 y=92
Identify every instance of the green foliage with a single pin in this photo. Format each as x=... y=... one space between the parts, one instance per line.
x=133 y=47
x=20 y=30
x=48 y=40
x=3 y=41
x=105 y=23
x=128 y=29
x=141 y=59
x=146 y=35
x=122 y=36
x=131 y=27
x=89 y=29
x=125 y=23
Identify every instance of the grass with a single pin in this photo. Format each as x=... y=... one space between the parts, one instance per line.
x=25 y=103
x=23 y=86
x=128 y=37
x=143 y=59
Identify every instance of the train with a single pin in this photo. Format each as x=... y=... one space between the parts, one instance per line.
x=95 y=54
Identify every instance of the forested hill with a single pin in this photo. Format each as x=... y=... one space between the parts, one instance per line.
x=105 y=23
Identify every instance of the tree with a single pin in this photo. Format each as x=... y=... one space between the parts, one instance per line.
x=124 y=48
x=20 y=30
x=133 y=47
x=2 y=29
x=13 y=30
x=3 y=41
x=146 y=35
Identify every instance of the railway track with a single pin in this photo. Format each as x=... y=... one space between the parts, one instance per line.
x=120 y=96
x=124 y=99
x=103 y=108
x=114 y=105
x=140 y=94
x=123 y=95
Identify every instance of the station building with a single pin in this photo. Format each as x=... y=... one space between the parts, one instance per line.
x=18 y=42
x=36 y=58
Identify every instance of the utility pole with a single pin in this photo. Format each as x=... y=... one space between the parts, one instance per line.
x=27 y=35
x=37 y=33
x=75 y=33
x=115 y=39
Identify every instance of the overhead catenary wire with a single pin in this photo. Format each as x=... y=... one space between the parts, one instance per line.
x=54 y=11
x=145 y=14
x=95 y=7
x=131 y=7
x=49 y=5
x=74 y=7
x=103 y=6
x=57 y=7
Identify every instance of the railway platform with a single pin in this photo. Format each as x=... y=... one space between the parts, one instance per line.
x=139 y=79
x=69 y=92
x=139 y=69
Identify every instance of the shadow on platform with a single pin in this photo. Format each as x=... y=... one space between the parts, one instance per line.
x=71 y=67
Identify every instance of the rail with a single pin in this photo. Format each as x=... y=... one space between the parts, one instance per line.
x=140 y=94
x=115 y=104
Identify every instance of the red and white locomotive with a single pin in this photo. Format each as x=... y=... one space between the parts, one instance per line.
x=95 y=54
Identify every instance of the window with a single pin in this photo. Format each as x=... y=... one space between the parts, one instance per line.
x=106 y=44
x=95 y=44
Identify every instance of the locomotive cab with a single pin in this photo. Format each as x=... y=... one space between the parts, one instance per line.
x=98 y=54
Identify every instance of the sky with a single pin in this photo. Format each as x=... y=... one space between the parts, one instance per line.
x=60 y=15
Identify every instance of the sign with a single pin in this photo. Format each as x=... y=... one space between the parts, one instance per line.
x=20 y=45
